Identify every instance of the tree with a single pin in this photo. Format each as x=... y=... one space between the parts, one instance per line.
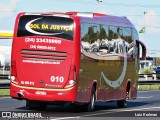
x=103 y=34
x=85 y=38
x=91 y=34
x=110 y=37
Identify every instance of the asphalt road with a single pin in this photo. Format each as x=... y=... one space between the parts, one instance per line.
x=147 y=103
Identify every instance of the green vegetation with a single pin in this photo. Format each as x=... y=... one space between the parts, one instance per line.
x=149 y=87
x=4 y=92
x=147 y=70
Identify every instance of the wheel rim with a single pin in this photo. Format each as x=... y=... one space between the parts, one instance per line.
x=127 y=98
x=127 y=95
x=92 y=102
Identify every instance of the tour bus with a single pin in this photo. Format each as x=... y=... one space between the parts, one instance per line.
x=74 y=57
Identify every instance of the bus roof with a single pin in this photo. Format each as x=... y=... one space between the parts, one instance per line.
x=90 y=17
x=110 y=20
x=102 y=18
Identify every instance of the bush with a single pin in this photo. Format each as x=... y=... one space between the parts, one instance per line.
x=146 y=70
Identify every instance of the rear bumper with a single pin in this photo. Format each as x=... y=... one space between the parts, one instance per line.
x=43 y=94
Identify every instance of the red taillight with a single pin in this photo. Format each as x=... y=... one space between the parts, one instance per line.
x=13 y=72
x=72 y=73
x=13 y=68
x=72 y=77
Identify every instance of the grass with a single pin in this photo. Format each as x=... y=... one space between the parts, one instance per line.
x=149 y=87
x=4 y=92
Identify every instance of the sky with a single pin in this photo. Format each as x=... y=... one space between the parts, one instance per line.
x=140 y=12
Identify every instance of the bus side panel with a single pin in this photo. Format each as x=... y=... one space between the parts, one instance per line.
x=110 y=60
x=134 y=82
x=92 y=70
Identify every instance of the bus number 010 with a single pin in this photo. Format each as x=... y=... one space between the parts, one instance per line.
x=57 y=79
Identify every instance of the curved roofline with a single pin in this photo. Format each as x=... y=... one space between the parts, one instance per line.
x=111 y=20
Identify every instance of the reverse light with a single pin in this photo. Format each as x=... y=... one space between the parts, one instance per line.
x=72 y=77
x=71 y=82
x=12 y=78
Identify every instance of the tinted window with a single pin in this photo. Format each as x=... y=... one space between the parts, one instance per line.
x=89 y=32
x=112 y=32
x=103 y=39
x=33 y=25
x=135 y=34
x=125 y=34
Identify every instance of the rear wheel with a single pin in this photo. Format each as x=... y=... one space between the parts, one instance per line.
x=91 y=104
x=123 y=103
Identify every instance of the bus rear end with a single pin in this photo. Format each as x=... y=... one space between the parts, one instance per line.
x=44 y=63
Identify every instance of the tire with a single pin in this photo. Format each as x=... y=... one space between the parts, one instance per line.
x=123 y=103
x=35 y=105
x=91 y=104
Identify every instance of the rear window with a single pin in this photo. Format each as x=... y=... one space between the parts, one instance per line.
x=33 y=25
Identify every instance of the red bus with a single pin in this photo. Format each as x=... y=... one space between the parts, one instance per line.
x=74 y=57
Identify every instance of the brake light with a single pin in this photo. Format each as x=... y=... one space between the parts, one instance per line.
x=13 y=68
x=13 y=72
x=72 y=77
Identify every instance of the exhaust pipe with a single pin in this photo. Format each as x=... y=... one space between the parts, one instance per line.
x=20 y=95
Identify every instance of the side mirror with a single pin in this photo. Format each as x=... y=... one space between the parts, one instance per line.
x=143 y=57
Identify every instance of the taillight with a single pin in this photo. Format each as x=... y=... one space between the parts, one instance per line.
x=13 y=72
x=13 y=68
x=72 y=77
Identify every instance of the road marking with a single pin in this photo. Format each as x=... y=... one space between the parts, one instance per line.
x=149 y=108
x=143 y=91
x=145 y=97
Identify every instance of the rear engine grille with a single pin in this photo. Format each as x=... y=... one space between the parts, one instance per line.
x=44 y=55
